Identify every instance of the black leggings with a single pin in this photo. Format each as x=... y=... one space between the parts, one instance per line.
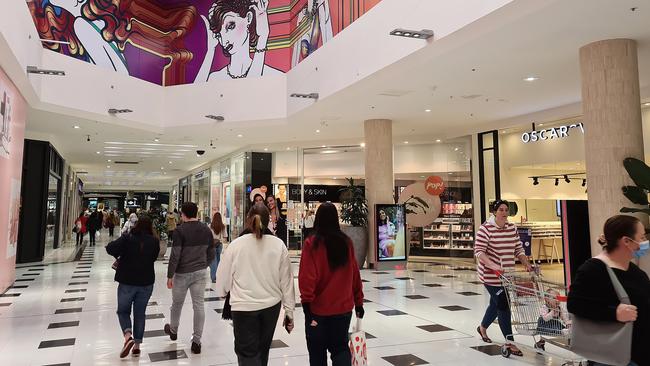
x=80 y=237
x=254 y=334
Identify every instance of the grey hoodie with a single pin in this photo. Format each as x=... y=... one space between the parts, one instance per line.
x=193 y=248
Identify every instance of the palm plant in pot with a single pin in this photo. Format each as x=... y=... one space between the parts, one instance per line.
x=354 y=213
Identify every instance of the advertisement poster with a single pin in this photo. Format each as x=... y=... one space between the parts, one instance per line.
x=422 y=201
x=12 y=132
x=391 y=232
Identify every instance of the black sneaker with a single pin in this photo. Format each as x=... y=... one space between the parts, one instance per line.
x=136 y=352
x=127 y=347
x=168 y=331
x=196 y=348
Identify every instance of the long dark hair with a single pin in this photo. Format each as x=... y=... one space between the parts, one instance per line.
x=328 y=232
x=144 y=225
x=217 y=223
x=257 y=220
x=617 y=227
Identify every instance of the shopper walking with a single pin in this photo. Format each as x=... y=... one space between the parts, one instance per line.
x=278 y=224
x=94 y=224
x=80 y=227
x=330 y=287
x=593 y=296
x=171 y=222
x=110 y=224
x=130 y=223
x=256 y=270
x=218 y=230
x=135 y=273
x=496 y=247
x=191 y=254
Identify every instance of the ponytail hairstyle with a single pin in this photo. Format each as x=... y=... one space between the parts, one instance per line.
x=257 y=220
x=328 y=232
x=616 y=228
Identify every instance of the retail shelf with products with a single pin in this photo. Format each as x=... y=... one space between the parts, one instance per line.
x=546 y=240
x=450 y=235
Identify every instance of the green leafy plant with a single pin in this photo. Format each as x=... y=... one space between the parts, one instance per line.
x=354 y=210
x=637 y=194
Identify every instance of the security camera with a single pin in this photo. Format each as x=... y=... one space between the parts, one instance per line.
x=200 y=152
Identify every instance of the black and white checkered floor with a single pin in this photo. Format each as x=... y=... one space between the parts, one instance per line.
x=64 y=314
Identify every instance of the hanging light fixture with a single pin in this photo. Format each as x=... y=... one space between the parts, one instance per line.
x=557 y=181
x=535 y=181
x=584 y=182
x=566 y=179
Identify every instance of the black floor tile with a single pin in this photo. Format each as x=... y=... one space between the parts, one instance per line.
x=419 y=270
x=58 y=364
x=365 y=281
x=405 y=360
x=391 y=312
x=368 y=336
x=31 y=274
x=208 y=299
x=152 y=303
x=278 y=344
x=154 y=333
x=57 y=343
x=84 y=267
x=36 y=269
x=416 y=297
x=454 y=308
x=491 y=350
x=19 y=286
x=385 y=288
x=219 y=311
x=166 y=356
x=63 y=325
x=76 y=290
x=68 y=311
x=432 y=285
x=77 y=283
x=24 y=279
x=448 y=276
x=366 y=301
x=380 y=272
x=82 y=276
x=468 y=293
x=475 y=282
x=432 y=328
x=208 y=289
x=81 y=272
x=72 y=299
x=154 y=316
x=9 y=295
x=404 y=278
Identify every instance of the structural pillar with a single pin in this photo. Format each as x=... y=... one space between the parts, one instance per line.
x=613 y=131
x=379 y=174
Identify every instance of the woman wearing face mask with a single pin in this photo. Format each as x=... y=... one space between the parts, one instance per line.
x=592 y=294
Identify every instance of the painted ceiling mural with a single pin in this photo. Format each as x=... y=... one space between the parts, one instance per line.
x=173 y=42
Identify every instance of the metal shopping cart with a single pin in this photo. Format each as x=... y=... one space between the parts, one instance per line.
x=539 y=310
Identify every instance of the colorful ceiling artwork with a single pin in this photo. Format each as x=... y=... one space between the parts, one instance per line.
x=173 y=42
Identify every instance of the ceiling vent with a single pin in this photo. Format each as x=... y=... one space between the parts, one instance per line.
x=127 y=162
x=394 y=93
x=471 y=96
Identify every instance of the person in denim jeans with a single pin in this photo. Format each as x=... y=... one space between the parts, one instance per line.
x=218 y=230
x=191 y=254
x=135 y=273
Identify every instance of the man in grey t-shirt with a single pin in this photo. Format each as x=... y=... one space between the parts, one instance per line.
x=193 y=250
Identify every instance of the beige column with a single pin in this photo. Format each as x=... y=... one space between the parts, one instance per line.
x=613 y=131
x=379 y=173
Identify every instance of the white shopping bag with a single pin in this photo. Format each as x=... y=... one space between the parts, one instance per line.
x=358 y=346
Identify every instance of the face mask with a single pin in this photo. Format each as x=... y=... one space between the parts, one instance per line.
x=644 y=246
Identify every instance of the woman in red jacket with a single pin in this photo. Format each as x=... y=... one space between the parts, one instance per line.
x=330 y=287
x=80 y=227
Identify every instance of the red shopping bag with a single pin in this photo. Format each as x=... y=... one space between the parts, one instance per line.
x=358 y=346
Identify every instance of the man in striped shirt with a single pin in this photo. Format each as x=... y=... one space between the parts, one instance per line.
x=496 y=247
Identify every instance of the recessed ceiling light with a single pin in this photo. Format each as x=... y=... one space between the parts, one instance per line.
x=438 y=140
x=288 y=148
x=156 y=139
x=456 y=149
x=317 y=131
x=646 y=104
x=427 y=110
x=531 y=78
x=170 y=162
x=98 y=152
x=422 y=176
x=450 y=173
x=333 y=177
x=240 y=135
x=109 y=160
x=323 y=145
x=406 y=142
x=541 y=124
x=108 y=166
x=76 y=127
x=162 y=168
x=266 y=149
x=363 y=144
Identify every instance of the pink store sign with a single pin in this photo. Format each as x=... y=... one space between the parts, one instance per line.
x=12 y=135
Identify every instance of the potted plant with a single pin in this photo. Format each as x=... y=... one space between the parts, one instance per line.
x=637 y=194
x=354 y=213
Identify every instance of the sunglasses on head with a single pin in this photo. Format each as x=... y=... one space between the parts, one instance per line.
x=498 y=203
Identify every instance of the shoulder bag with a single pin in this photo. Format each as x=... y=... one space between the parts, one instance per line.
x=604 y=342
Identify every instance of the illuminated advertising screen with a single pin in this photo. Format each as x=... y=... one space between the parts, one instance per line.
x=390 y=232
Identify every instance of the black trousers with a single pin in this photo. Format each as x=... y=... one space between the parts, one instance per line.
x=253 y=335
x=330 y=334
x=111 y=230
x=80 y=237
x=92 y=237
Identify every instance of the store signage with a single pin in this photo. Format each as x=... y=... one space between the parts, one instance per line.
x=224 y=171
x=434 y=185
x=551 y=133
x=317 y=193
x=201 y=175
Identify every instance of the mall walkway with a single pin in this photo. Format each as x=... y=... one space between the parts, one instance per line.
x=64 y=314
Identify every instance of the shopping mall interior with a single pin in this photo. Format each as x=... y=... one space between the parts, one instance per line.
x=139 y=106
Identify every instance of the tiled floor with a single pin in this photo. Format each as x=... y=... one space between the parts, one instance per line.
x=426 y=315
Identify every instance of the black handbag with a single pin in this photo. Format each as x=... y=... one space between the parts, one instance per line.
x=227 y=310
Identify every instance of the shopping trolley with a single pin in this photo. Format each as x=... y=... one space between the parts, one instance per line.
x=538 y=309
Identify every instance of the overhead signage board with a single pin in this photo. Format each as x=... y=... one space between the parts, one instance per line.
x=552 y=133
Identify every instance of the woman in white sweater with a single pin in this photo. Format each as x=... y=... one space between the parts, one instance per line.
x=256 y=270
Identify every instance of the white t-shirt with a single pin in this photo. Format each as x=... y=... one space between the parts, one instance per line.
x=257 y=273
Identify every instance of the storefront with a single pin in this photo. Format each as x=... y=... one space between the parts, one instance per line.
x=201 y=194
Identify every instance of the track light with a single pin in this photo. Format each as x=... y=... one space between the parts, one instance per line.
x=557 y=181
x=584 y=182
x=566 y=179
x=535 y=181
x=421 y=34
x=119 y=111
x=36 y=70
x=305 y=96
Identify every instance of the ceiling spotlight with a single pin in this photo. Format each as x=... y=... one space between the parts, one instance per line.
x=427 y=110
x=156 y=139
x=98 y=152
x=162 y=168
x=36 y=70
x=531 y=78
x=438 y=140
x=317 y=131
x=87 y=138
x=240 y=135
x=114 y=111
x=566 y=179
x=363 y=144
x=170 y=162
x=266 y=149
x=406 y=142
x=305 y=96
x=108 y=166
x=646 y=104
x=76 y=127
x=535 y=181
x=216 y=118
x=422 y=34
x=211 y=144
x=584 y=182
x=557 y=181
x=288 y=148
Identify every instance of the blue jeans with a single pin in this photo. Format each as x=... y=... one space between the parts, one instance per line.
x=215 y=263
x=498 y=308
x=138 y=297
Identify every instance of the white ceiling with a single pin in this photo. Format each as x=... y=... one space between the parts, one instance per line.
x=471 y=81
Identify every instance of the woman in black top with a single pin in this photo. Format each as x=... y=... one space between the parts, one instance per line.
x=137 y=252
x=592 y=294
x=94 y=225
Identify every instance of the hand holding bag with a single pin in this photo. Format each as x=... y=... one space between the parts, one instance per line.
x=604 y=342
x=358 y=346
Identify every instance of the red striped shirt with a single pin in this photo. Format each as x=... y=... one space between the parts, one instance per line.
x=501 y=244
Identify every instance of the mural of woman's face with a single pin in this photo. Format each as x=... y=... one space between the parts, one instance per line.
x=233 y=35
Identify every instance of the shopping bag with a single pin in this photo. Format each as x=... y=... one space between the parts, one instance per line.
x=358 y=346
